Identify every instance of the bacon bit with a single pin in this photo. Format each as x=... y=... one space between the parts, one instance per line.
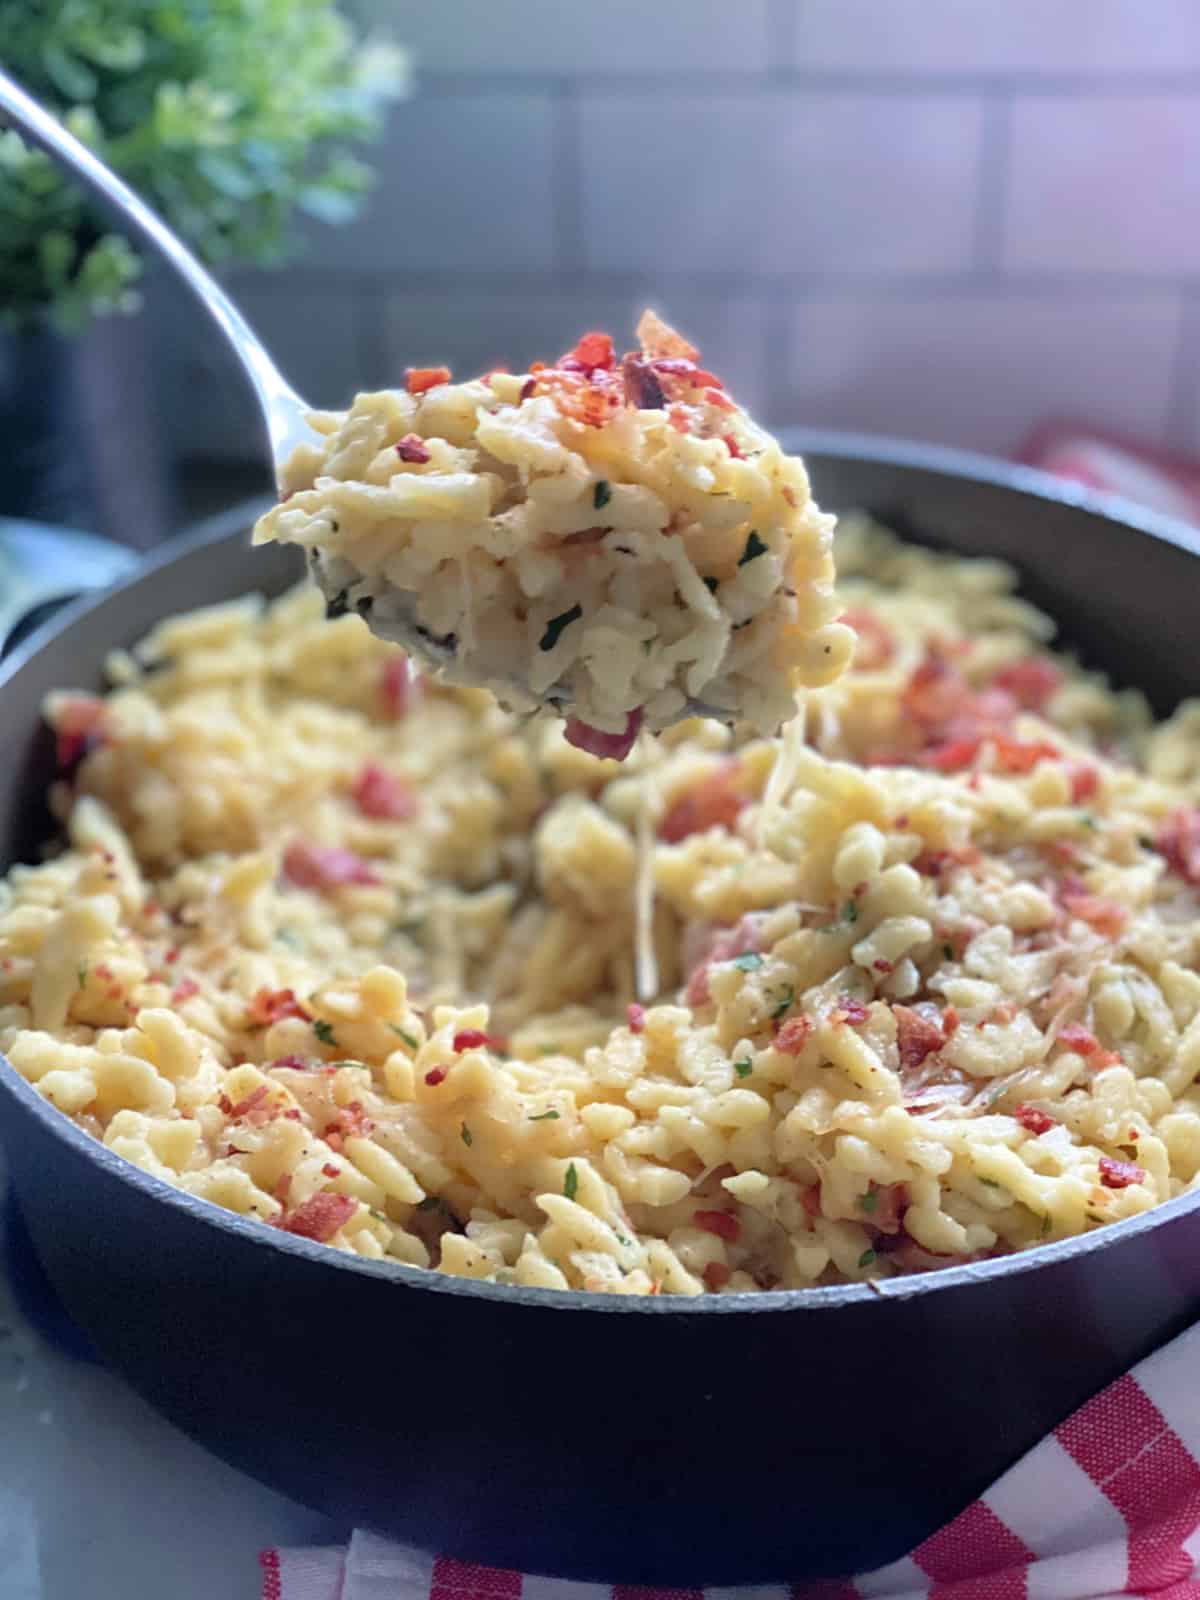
x=810 y=1199
x=1085 y=1043
x=224 y=1105
x=400 y=686
x=950 y=1021
x=385 y=795
x=184 y=990
x=171 y=957
x=916 y=1037
x=718 y=397
x=932 y=863
x=476 y=1039
x=1085 y=781
x=636 y=1017
x=732 y=446
x=293 y=1114
x=608 y=746
x=876 y=643
x=1120 y=1174
x=436 y=1075
x=794 y=1034
x=283 y=1187
x=331 y=1171
x=954 y=756
x=419 y=379
x=716 y=1275
x=325 y=866
x=678 y=418
x=697 y=991
x=1106 y=916
x=413 y=448
x=1178 y=841
x=891 y=1202
x=527 y=388
x=594 y=351
x=1030 y=682
x=659 y=338
x=320 y=1217
x=333 y=1138
x=251 y=1103
x=722 y=1223
x=716 y=802
x=1019 y=756
x=642 y=388
x=1032 y=1120
x=883 y=966
x=79 y=728
x=850 y=1011
x=272 y=1005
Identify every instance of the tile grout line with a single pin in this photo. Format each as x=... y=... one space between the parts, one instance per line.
x=992 y=184
x=1183 y=388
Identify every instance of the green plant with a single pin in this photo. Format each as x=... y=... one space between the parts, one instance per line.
x=228 y=115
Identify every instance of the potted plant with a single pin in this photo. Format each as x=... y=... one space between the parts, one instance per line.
x=229 y=116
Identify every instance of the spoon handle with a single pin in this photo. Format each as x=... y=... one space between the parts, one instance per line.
x=283 y=410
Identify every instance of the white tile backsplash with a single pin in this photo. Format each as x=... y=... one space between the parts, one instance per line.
x=967 y=214
x=464 y=182
x=1024 y=36
x=1108 y=184
x=558 y=36
x=978 y=371
x=778 y=183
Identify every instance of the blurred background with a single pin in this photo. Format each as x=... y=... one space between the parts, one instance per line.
x=943 y=220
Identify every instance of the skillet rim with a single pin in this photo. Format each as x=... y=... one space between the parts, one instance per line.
x=963 y=466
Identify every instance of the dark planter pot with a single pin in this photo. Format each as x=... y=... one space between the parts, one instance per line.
x=78 y=417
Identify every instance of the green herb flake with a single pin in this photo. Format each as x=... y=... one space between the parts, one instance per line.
x=410 y=1039
x=1145 y=842
x=992 y=1183
x=867 y=1257
x=288 y=937
x=754 y=548
x=621 y=1239
x=545 y=1116
x=324 y=1031
x=712 y=584
x=548 y=1050
x=850 y=911
x=410 y=930
x=748 y=961
x=601 y=494
x=81 y=974
x=556 y=625
x=948 y=952
x=1087 y=820
x=466 y=1136
x=743 y=1068
x=869 y=1202
x=789 y=996
x=1046 y=1226
x=647 y=646
x=571 y=1182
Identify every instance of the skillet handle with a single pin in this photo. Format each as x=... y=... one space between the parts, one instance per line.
x=42 y=568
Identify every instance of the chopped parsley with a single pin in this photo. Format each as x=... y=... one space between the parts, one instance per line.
x=647 y=646
x=948 y=952
x=869 y=1201
x=410 y=930
x=789 y=995
x=748 y=961
x=601 y=494
x=548 y=1049
x=81 y=974
x=743 y=1068
x=754 y=548
x=712 y=584
x=866 y=1258
x=1046 y=1224
x=556 y=625
x=289 y=937
x=850 y=911
x=466 y=1136
x=324 y=1031
x=545 y=1116
x=1088 y=820
x=410 y=1039
x=621 y=1239
x=571 y=1182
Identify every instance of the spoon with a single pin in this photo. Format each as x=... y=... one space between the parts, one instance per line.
x=283 y=411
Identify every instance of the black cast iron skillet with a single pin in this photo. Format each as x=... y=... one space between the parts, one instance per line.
x=735 y=1440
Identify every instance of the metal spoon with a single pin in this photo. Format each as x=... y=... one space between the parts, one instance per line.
x=283 y=411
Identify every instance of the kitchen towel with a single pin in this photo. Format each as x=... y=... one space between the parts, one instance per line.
x=1108 y=1505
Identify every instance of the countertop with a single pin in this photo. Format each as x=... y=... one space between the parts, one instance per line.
x=100 y=1499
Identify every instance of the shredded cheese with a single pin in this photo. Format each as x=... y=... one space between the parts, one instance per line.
x=785 y=771
x=645 y=962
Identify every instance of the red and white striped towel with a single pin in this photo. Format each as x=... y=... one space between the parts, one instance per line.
x=1108 y=1505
